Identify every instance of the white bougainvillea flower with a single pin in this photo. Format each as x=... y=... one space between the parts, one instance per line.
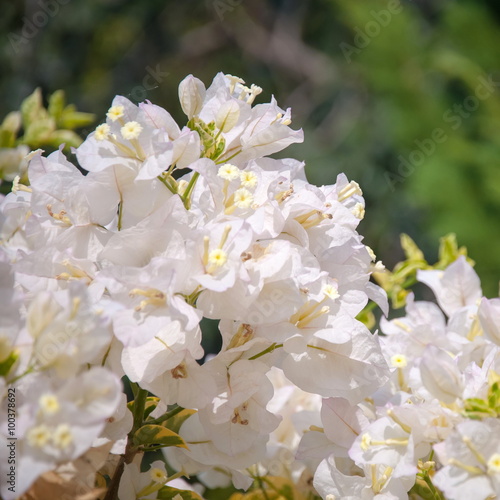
x=489 y=317
x=377 y=482
x=350 y=370
x=136 y=484
x=471 y=461
x=458 y=286
x=440 y=375
x=56 y=425
x=109 y=272
x=385 y=442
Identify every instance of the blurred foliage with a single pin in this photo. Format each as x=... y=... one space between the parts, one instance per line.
x=365 y=111
x=404 y=275
x=52 y=126
x=41 y=127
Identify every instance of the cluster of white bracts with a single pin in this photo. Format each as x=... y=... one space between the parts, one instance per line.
x=429 y=415
x=110 y=273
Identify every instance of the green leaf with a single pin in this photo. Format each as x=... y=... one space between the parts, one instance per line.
x=476 y=404
x=68 y=137
x=422 y=490
x=157 y=435
x=12 y=122
x=56 y=104
x=38 y=132
x=367 y=318
x=71 y=119
x=219 y=149
x=174 y=423
x=411 y=250
x=151 y=404
x=31 y=107
x=7 y=139
x=449 y=251
x=9 y=129
x=167 y=493
x=7 y=364
x=494 y=396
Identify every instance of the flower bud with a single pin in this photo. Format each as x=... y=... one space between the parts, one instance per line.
x=191 y=95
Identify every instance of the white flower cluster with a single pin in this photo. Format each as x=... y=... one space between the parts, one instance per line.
x=110 y=273
x=436 y=418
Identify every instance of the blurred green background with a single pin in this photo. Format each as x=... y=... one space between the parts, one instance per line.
x=402 y=97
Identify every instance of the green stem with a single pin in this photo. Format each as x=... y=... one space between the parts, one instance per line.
x=227 y=159
x=186 y=197
x=260 y=483
x=412 y=280
x=437 y=495
x=104 y=359
x=166 y=416
x=120 y=212
x=164 y=181
x=262 y=488
x=177 y=475
x=134 y=388
x=271 y=348
x=139 y=407
x=29 y=370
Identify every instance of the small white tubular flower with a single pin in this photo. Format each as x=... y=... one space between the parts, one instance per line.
x=234 y=80
x=494 y=464
x=131 y=130
x=217 y=257
x=49 y=404
x=115 y=112
x=248 y=179
x=371 y=253
x=349 y=190
x=228 y=172
x=358 y=211
x=243 y=198
x=254 y=90
x=227 y=116
x=102 y=132
x=39 y=436
x=191 y=95
x=62 y=436
x=331 y=292
x=137 y=485
x=399 y=361
x=158 y=475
